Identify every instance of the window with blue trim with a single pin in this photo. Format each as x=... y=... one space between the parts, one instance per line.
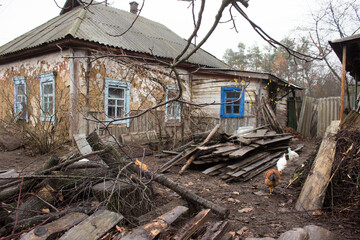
x=232 y=105
x=20 y=100
x=173 y=109
x=117 y=100
x=47 y=96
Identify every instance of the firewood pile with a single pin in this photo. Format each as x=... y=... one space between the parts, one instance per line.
x=239 y=157
x=73 y=198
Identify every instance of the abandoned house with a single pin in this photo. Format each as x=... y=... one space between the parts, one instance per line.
x=96 y=63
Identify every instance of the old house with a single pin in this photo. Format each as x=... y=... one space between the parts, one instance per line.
x=90 y=65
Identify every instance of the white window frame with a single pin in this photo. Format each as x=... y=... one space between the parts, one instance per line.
x=169 y=115
x=18 y=105
x=45 y=79
x=120 y=84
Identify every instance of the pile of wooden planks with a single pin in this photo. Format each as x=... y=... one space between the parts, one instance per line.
x=241 y=156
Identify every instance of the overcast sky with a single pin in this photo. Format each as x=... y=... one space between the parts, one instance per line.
x=279 y=18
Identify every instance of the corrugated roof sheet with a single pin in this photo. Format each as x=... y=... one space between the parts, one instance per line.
x=98 y=22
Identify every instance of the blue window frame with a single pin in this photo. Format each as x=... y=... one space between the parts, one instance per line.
x=117 y=100
x=20 y=99
x=173 y=109
x=232 y=106
x=47 y=96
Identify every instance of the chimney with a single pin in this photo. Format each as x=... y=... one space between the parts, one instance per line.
x=134 y=7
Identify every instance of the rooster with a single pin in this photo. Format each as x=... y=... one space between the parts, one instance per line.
x=272 y=179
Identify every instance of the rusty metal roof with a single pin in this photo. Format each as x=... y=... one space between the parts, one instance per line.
x=98 y=23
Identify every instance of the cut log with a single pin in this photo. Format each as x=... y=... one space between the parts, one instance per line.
x=193 y=225
x=216 y=231
x=313 y=192
x=50 y=230
x=94 y=226
x=151 y=230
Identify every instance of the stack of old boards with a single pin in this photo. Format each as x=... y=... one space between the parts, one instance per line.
x=242 y=156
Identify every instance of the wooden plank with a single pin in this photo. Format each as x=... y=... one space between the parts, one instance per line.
x=152 y=229
x=214 y=168
x=216 y=231
x=249 y=159
x=94 y=226
x=241 y=152
x=275 y=140
x=226 y=149
x=193 y=225
x=261 y=132
x=82 y=144
x=313 y=192
x=55 y=227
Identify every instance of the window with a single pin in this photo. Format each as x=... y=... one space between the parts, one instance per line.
x=233 y=107
x=47 y=96
x=117 y=100
x=173 y=109
x=20 y=100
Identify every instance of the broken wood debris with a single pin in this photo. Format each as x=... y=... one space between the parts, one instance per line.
x=239 y=157
x=40 y=198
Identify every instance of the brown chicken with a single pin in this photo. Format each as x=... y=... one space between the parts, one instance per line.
x=272 y=179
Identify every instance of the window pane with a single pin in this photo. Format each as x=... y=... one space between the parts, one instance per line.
x=50 y=100
x=116 y=93
x=120 y=112
x=227 y=108
x=236 y=109
x=111 y=102
x=111 y=111
x=120 y=103
x=20 y=89
x=232 y=94
x=48 y=88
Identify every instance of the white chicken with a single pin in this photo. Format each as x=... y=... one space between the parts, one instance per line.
x=293 y=156
x=281 y=163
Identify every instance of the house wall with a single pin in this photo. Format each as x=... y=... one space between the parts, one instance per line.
x=207 y=89
x=30 y=69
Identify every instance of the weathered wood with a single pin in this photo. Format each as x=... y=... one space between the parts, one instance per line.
x=216 y=231
x=214 y=168
x=82 y=145
x=249 y=160
x=264 y=142
x=172 y=161
x=241 y=152
x=226 y=149
x=50 y=230
x=94 y=226
x=207 y=139
x=193 y=225
x=151 y=230
x=248 y=131
x=7 y=174
x=33 y=205
x=313 y=192
x=115 y=159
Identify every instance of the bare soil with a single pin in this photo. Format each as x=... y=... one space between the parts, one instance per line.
x=253 y=212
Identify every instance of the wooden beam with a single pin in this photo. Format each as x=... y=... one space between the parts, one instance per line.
x=343 y=84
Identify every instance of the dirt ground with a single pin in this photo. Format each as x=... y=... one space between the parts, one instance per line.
x=253 y=212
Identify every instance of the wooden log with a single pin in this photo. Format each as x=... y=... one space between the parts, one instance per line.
x=313 y=192
x=50 y=230
x=192 y=158
x=193 y=225
x=115 y=159
x=28 y=222
x=7 y=174
x=216 y=231
x=33 y=205
x=93 y=227
x=151 y=230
